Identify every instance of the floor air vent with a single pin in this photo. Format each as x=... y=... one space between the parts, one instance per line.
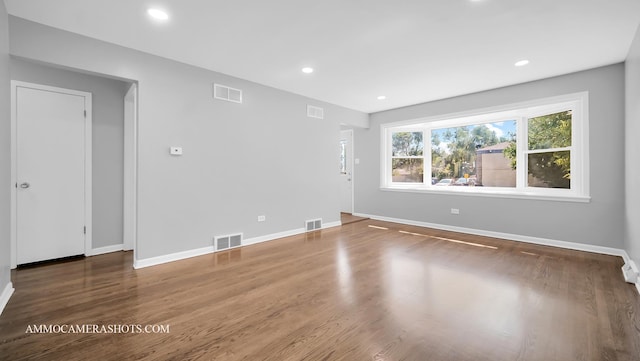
x=315 y=112
x=313 y=224
x=229 y=94
x=229 y=241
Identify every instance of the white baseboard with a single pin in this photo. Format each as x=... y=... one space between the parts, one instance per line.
x=107 y=249
x=512 y=237
x=270 y=237
x=293 y=232
x=6 y=294
x=515 y=237
x=154 y=261
x=634 y=267
x=331 y=224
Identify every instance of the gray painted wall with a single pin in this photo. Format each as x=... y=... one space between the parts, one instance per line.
x=5 y=150
x=262 y=157
x=632 y=151
x=599 y=222
x=107 y=139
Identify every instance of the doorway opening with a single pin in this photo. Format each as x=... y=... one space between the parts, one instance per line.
x=111 y=160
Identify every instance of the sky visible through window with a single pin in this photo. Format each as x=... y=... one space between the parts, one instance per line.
x=532 y=147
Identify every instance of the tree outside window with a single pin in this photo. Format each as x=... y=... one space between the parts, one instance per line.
x=407 y=157
x=465 y=152
x=548 y=151
x=538 y=148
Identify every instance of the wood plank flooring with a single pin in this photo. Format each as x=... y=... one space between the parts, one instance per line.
x=368 y=290
x=346 y=218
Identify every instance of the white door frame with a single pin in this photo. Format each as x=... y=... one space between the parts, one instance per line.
x=14 y=162
x=130 y=215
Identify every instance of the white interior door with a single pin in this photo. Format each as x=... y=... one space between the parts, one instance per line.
x=50 y=171
x=346 y=171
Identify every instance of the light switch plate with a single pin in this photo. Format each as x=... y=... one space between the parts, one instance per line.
x=175 y=150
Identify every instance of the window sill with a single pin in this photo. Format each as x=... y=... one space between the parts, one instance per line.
x=492 y=193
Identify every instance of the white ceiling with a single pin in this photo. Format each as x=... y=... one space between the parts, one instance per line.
x=412 y=51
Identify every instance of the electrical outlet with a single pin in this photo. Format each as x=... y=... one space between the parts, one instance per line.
x=262 y=218
x=455 y=211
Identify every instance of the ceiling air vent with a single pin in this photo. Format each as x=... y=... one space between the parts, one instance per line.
x=229 y=94
x=315 y=112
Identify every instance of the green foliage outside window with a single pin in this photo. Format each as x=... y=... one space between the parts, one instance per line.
x=407 y=144
x=405 y=167
x=459 y=157
x=551 y=131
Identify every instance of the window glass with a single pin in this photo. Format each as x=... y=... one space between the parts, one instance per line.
x=550 y=131
x=407 y=144
x=343 y=157
x=407 y=163
x=407 y=170
x=533 y=149
x=474 y=155
x=549 y=152
x=550 y=170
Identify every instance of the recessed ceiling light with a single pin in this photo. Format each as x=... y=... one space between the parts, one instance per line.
x=307 y=70
x=382 y=97
x=522 y=63
x=158 y=14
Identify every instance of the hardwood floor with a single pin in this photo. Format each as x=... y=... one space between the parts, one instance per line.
x=368 y=290
x=346 y=218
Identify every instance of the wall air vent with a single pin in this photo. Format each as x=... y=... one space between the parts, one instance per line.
x=229 y=94
x=315 y=112
x=228 y=241
x=313 y=224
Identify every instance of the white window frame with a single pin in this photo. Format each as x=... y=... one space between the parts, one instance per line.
x=578 y=103
x=424 y=150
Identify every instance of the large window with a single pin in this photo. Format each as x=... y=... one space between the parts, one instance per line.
x=534 y=149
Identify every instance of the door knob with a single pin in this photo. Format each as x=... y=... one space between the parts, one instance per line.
x=25 y=185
